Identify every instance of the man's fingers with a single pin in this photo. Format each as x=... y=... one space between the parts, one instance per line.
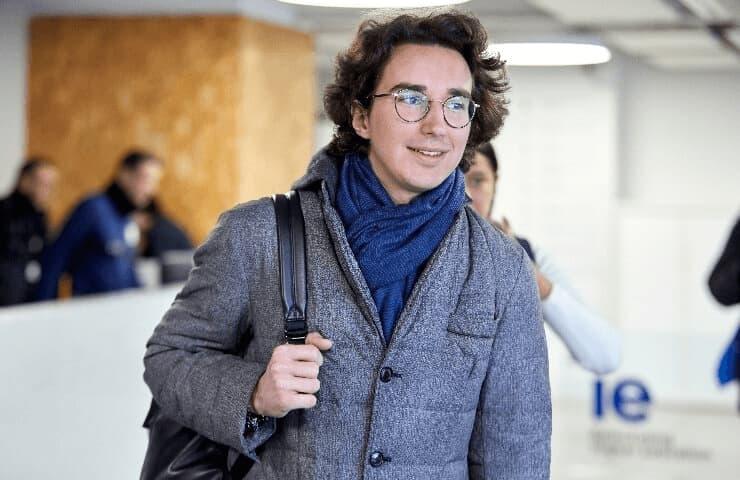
x=507 y=226
x=303 y=400
x=315 y=339
x=303 y=385
x=302 y=353
x=304 y=369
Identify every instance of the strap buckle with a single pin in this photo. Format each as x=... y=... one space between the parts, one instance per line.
x=295 y=327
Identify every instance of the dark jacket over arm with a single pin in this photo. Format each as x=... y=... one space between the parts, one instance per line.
x=724 y=282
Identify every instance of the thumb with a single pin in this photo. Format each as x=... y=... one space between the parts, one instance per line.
x=315 y=339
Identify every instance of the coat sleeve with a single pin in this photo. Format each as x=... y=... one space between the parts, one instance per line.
x=591 y=341
x=511 y=435
x=192 y=365
x=589 y=337
x=57 y=256
x=724 y=282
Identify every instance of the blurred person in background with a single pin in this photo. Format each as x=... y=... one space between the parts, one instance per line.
x=23 y=231
x=592 y=342
x=724 y=283
x=98 y=244
x=160 y=234
x=164 y=242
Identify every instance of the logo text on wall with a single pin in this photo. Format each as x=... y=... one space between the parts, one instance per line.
x=629 y=399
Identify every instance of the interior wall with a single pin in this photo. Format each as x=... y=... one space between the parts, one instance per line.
x=557 y=173
x=278 y=112
x=190 y=89
x=679 y=197
x=13 y=27
x=679 y=142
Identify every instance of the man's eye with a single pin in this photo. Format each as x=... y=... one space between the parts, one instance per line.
x=457 y=104
x=414 y=100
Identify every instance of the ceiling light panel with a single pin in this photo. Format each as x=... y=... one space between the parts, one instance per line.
x=374 y=3
x=550 y=54
x=592 y=12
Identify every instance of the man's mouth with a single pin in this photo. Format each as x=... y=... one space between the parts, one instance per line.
x=428 y=153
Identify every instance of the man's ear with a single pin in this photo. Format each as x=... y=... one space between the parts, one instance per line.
x=360 y=120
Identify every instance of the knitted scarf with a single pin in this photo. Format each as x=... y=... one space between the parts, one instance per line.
x=392 y=243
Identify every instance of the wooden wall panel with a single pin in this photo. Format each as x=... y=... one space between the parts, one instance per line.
x=272 y=59
x=183 y=87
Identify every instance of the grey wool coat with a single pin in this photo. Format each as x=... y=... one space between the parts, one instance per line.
x=469 y=392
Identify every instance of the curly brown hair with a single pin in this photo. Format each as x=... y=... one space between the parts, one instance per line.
x=359 y=68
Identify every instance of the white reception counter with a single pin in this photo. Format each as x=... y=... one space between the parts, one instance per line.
x=72 y=399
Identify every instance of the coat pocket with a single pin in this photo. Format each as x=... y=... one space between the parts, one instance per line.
x=473 y=324
x=469 y=341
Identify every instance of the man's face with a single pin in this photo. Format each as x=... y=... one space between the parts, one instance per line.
x=480 y=183
x=411 y=158
x=141 y=183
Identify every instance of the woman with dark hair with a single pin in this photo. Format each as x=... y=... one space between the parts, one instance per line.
x=408 y=371
x=592 y=342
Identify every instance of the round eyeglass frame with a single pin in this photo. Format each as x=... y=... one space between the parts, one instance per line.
x=429 y=106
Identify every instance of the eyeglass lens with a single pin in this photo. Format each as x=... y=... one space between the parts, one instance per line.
x=412 y=106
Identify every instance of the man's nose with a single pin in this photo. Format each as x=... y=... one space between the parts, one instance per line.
x=434 y=122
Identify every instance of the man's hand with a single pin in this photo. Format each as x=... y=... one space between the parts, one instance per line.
x=291 y=378
x=544 y=285
x=504 y=226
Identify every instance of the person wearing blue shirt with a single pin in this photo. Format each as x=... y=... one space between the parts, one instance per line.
x=724 y=284
x=97 y=245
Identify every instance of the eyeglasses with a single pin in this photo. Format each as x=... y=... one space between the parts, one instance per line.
x=412 y=106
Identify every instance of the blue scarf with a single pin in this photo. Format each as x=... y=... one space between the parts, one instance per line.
x=393 y=242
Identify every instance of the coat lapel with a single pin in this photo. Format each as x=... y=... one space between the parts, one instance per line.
x=349 y=265
x=438 y=287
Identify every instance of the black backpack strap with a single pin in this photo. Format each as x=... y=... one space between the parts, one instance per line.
x=292 y=258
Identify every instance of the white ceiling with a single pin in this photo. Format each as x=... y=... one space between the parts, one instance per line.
x=589 y=12
x=670 y=34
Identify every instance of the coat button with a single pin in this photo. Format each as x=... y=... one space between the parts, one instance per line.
x=376 y=459
x=386 y=373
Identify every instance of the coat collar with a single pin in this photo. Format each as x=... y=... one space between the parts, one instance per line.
x=449 y=261
x=322 y=168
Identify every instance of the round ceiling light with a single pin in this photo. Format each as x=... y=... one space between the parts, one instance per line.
x=375 y=3
x=551 y=54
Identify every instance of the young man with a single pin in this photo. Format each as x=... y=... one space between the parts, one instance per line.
x=427 y=356
x=23 y=231
x=97 y=244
